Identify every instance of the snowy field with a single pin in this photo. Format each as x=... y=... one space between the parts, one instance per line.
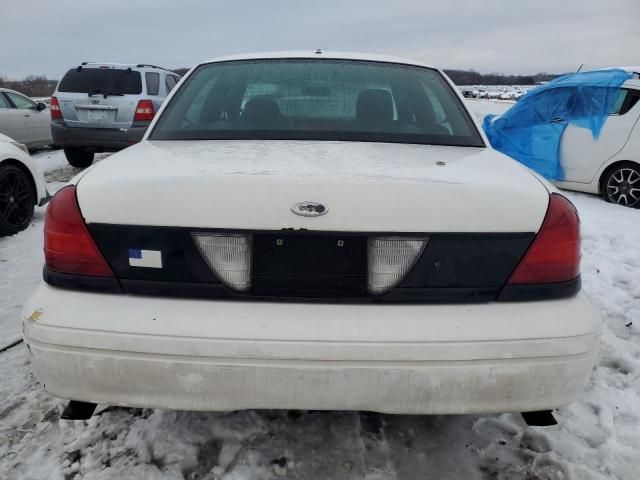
x=598 y=437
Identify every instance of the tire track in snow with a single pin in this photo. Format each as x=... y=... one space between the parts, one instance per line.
x=11 y=345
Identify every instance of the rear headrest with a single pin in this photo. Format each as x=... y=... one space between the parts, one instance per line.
x=262 y=110
x=374 y=104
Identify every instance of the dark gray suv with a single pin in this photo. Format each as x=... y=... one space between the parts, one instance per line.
x=104 y=107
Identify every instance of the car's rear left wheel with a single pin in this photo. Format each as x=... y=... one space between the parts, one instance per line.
x=621 y=185
x=17 y=200
x=78 y=157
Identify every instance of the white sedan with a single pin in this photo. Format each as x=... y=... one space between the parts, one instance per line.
x=607 y=164
x=312 y=231
x=610 y=164
x=22 y=186
x=24 y=120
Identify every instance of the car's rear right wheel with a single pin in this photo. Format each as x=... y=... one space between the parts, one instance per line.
x=78 y=157
x=621 y=185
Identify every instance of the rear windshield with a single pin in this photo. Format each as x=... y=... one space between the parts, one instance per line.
x=101 y=80
x=309 y=99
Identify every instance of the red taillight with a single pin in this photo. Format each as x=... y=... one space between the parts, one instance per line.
x=554 y=255
x=68 y=246
x=144 y=111
x=54 y=108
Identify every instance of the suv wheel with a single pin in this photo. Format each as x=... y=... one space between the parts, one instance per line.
x=78 y=157
x=621 y=185
x=17 y=200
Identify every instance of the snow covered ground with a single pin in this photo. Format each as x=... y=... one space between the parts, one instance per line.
x=598 y=437
x=480 y=108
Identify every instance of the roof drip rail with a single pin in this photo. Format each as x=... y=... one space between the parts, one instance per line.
x=148 y=65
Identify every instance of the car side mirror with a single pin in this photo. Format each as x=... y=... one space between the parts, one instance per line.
x=40 y=106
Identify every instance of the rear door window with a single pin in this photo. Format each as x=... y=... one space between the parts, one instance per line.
x=102 y=81
x=590 y=100
x=153 y=83
x=21 y=102
x=626 y=100
x=4 y=103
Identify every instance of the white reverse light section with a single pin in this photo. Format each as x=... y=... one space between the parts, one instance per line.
x=229 y=256
x=390 y=259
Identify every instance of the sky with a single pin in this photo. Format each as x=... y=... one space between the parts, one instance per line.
x=46 y=37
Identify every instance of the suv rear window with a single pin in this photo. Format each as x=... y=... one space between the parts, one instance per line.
x=101 y=80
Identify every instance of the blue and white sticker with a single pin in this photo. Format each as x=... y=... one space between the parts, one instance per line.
x=145 y=258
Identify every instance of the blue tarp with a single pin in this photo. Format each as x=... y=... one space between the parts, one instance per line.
x=531 y=130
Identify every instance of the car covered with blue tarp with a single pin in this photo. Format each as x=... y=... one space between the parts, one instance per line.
x=531 y=131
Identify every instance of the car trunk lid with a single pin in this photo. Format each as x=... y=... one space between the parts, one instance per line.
x=365 y=187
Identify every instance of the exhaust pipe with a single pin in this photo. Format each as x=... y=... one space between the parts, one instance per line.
x=542 y=418
x=78 y=410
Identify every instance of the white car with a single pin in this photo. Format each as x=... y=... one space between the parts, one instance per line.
x=510 y=95
x=22 y=186
x=312 y=231
x=609 y=165
x=24 y=120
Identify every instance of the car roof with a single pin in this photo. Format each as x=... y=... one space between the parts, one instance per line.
x=3 y=89
x=633 y=81
x=631 y=69
x=319 y=53
x=615 y=67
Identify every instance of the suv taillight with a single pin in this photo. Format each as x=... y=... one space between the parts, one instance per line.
x=68 y=246
x=144 y=111
x=554 y=255
x=54 y=108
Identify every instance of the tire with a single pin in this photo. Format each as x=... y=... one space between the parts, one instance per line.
x=78 y=157
x=621 y=185
x=17 y=199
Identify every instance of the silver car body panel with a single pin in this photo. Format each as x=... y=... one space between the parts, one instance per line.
x=25 y=125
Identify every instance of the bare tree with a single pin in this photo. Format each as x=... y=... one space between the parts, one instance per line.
x=32 y=85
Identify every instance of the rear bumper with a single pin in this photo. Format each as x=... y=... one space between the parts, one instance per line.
x=229 y=355
x=98 y=139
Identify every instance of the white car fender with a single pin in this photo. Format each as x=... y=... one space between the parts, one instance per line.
x=9 y=152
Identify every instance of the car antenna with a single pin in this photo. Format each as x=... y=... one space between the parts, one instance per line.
x=581 y=65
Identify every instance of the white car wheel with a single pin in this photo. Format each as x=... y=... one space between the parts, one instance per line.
x=17 y=200
x=622 y=186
